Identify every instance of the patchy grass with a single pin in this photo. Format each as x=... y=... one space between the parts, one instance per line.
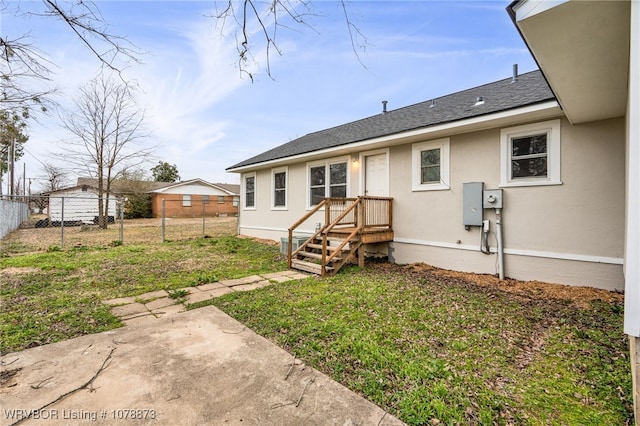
x=436 y=349
x=54 y=295
x=430 y=346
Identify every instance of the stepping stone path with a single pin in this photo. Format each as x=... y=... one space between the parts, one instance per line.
x=156 y=304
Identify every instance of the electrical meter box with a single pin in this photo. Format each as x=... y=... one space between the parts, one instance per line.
x=492 y=199
x=472 y=203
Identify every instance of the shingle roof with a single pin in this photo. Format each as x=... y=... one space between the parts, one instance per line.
x=529 y=89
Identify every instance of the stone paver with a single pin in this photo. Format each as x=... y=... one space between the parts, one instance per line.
x=252 y=286
x=210 y=286
x=278 y=278
x=169 y=310
x=161 y=305
x=120 y=301
x=153 y=295
x=217 y=292
x=199 y=296
x=128 y=310
x=141 y=319
x=240 y=281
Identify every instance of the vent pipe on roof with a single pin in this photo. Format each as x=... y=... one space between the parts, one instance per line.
x=384 y=107
x=433 y=103
x=479 y=101
x=515 y=73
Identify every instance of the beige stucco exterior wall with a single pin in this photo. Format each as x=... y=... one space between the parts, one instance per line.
x=270 y=223
x=571 y=233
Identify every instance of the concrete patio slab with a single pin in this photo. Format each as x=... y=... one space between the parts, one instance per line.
x=198 y=368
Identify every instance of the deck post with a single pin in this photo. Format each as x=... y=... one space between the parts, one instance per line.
x=289 y=251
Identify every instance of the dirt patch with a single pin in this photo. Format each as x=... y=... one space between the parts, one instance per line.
x=260 y=240
x=579 y=296
x=12 y=270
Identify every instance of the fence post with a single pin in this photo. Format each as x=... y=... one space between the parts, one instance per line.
x=121 y=214
x=62 y=223
x=203 y=206
x=163 y=220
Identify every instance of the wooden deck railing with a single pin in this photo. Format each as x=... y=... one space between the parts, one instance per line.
x=361 y=214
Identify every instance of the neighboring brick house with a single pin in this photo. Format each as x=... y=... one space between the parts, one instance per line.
x=193 y=197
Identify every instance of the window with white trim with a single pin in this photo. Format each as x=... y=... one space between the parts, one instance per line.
x=220 y=199
x=530 y=154
x=186 y=200
x=249 y=188
x=279 y=188
x=430 y=165
x=327 y=179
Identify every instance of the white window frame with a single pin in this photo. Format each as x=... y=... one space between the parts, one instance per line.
x=186 y=200
x=284 y=170
x=552 y=129
x=244 y=191
x=327 y=185
x=416 y=165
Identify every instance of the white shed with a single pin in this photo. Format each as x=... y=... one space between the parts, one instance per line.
x=78 y=204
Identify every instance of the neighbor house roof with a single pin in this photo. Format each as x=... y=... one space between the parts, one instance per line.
x=231 y=187
x=126 y=185
x=222 y=187
x=528 y=89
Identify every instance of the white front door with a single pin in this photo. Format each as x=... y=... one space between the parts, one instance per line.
x=376 y=175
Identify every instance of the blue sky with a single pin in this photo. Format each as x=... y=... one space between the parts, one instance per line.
x=205 y=116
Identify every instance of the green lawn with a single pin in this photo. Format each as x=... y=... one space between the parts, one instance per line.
x=50 y=296
x=429 y=348
x=435 y=351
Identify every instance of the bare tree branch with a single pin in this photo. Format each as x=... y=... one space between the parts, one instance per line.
x=252 y=21
x=107 y=129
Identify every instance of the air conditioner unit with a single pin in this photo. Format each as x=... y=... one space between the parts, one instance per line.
x=296 y=240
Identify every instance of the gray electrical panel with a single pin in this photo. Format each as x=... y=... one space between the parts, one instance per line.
x=472 y=203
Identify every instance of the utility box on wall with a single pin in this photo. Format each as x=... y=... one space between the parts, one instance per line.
x=472 y=212
x=492 y=199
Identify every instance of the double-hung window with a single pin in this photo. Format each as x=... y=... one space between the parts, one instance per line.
x=530 y=154
x=279 y=188
x=328 y=179
x=249 y=184
x=186 y=200
x=430 y=165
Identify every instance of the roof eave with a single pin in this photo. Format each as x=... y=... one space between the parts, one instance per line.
x=543 y=110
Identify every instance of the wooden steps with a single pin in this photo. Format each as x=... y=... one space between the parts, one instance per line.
x=349 y=224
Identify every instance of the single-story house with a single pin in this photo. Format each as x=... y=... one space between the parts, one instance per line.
x=77 y=205
x=535 y=177
x=510 y=135
x=195 y=197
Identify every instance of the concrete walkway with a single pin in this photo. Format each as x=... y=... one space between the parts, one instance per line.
x=200 y=367
x=157 y=304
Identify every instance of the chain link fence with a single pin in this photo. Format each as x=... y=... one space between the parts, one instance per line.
x=78 y=220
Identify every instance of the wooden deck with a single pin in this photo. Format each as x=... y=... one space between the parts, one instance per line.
x=350 y=223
